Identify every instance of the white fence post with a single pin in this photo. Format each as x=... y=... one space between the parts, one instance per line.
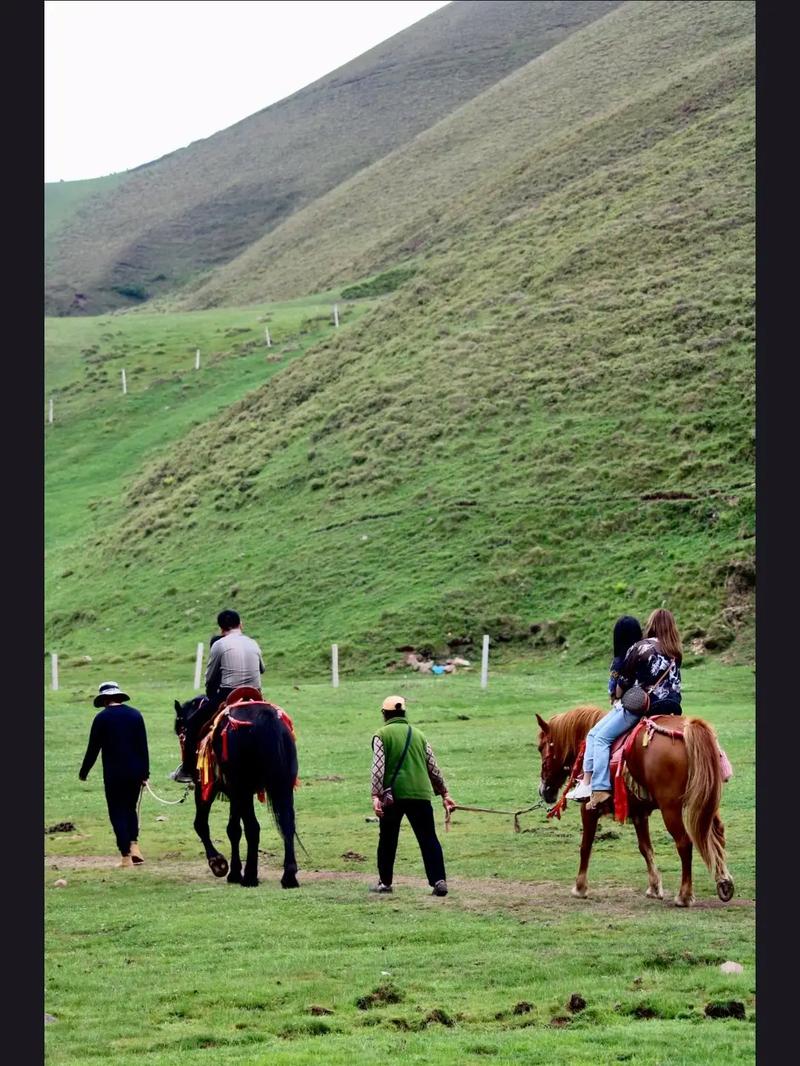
x=485 y=661
x=267 y=336
x=197 y=367
x=124 y=384
x=198 y=665
x=50 y=412
x=336 y=315
x=335 y=665
x=54 y=671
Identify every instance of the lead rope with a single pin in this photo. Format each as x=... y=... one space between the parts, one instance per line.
x=167 y=803
x=490 y=810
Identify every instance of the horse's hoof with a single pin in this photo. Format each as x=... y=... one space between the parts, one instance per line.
x=684 y=901
x=578 y=893
x=655 y=893
x=249 y=882
x=725 y=890
x=234 y=879
x=218 y=865
x=290 y=882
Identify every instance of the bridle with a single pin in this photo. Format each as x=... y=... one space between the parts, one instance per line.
x=199 y=701
x=550 y=759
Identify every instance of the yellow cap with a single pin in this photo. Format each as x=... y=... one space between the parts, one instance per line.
x=394 y=703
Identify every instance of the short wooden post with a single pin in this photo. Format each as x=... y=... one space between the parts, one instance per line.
x=336 y=315
x=267 y=336
x=54 y=671
x=50 y=412
x=485 y=661
x=124 y=384
x=197 y=367
x=335 y=665
x=198 y=665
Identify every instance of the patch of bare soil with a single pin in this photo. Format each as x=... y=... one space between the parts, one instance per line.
x=490 y=895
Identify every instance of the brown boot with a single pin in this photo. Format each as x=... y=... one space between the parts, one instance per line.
x=136 y=855
x=598 y=799
x=127 y=862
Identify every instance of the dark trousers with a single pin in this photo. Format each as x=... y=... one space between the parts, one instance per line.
x=122 y=795
x=420 y=815
x=194 y=727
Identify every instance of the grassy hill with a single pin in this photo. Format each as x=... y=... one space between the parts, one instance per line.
x=199 y=207
x=549 y=424
x=63 y=198
x=393 y=211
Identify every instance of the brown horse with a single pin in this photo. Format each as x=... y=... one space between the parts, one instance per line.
x=683 y=779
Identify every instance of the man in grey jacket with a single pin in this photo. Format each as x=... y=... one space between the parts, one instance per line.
x=234 y=660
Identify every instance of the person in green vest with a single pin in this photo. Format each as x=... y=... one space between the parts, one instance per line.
x=404 y=778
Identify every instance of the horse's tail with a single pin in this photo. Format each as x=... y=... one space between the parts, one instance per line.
x=265 y=756
x=702 y=797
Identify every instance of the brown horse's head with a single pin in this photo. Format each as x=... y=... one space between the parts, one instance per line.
x=559 y=741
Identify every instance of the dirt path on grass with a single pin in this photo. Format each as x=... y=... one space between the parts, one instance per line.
x=481 y=895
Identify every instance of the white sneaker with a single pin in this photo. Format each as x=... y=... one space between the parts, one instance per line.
x=579 y=792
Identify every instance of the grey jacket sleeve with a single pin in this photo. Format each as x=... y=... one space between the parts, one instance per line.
x=213 y=669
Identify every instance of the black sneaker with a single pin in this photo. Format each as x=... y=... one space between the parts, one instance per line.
x=440 y=889
x=181 y=776
x=381 y=887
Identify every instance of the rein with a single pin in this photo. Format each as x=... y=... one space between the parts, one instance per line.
x=557 y=809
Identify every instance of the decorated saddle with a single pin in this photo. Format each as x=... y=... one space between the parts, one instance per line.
x=624 y=783
x=210 y=769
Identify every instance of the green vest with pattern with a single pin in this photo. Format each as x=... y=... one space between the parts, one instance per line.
x=412 y=780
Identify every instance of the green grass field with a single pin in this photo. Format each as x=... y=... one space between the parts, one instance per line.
x=164 y=964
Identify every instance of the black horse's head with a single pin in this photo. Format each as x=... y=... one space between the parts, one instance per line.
x=185 y=711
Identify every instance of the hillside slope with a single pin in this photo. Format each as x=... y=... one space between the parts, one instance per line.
x=392 y=211
x=549 y=425
x=199 y=207
x=63 y=198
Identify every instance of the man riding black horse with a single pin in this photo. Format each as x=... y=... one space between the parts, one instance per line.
x=234 y=660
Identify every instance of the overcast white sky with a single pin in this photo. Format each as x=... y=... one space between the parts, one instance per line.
x=127 y=81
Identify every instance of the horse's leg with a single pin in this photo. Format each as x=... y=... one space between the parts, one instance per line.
x=641 y=821
x=721 y=872
x=589 y=820
x=252 y=832
x=284 y=812
x=235 y=835
x=673 y=820
x=217 y=862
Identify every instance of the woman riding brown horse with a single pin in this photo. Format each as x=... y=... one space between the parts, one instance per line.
x=677 y=772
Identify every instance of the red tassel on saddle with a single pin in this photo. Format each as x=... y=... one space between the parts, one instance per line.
x=620 y=794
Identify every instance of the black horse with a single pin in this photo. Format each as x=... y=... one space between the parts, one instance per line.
x=259 y=756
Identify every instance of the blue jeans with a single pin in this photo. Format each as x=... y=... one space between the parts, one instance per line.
x=597 y=756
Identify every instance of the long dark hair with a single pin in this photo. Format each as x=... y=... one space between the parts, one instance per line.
x=627 y=632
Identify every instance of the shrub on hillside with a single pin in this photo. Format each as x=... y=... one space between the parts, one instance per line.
x=380 y=285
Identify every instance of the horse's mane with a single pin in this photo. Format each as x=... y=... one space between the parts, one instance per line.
x=569 y=728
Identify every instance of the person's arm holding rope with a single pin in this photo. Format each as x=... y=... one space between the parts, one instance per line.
x=437 y=779
x=144 y=754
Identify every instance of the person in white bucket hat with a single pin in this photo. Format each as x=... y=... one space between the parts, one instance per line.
x=118 y=732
